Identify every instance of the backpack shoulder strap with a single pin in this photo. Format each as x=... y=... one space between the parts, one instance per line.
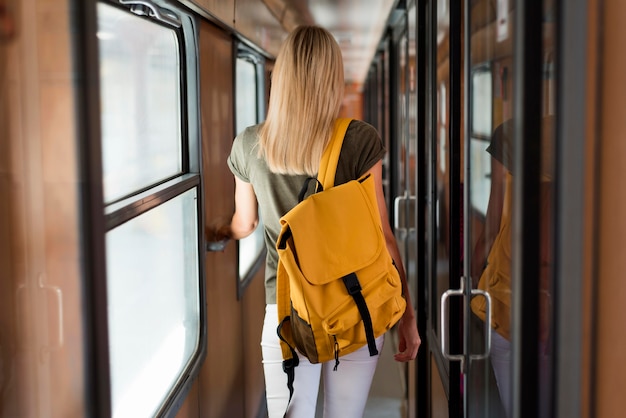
x=328 y=164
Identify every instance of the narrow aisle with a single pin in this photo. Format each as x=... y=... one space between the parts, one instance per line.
x=386 y=398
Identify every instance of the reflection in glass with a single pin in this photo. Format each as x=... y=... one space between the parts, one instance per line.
x=480 y=133
x=251 y=247
x=140 y=102
x=492 y=237
x=481 y=103
x=153 y=303
x=480 y=175
x=490 y=206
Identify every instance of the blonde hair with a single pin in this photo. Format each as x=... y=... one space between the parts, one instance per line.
x=306 y=94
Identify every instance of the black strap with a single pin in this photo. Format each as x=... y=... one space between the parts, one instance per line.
x=289 y=365
x=305 y=188
x=354 y=290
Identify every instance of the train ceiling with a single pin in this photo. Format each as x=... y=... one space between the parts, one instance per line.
x=357 y=25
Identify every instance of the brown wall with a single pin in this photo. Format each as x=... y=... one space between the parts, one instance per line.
x=41 y=340
x=610 y=378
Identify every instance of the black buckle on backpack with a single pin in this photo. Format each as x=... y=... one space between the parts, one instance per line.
x=290 y=364
x=352 y=284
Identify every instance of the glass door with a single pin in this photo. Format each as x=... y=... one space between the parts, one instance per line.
x=508 y=165
x=401 y=187
x=443 y=209
x=405 y=169
x=490 y=207
x=488 y=200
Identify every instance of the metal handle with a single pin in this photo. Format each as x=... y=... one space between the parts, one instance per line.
x=56 y=291
x=412 y=229
x=26 y=296
x=396 y=212
x=443 y=326
x=139 y=7
x=487 y=325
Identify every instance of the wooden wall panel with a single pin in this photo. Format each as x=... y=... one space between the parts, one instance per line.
x=610 y=378
x=222 y=377
x=223 y=10
x=41 y=340
x=256 y=22
x=253 y=313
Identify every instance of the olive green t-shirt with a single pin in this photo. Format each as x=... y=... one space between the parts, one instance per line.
x=277 y=193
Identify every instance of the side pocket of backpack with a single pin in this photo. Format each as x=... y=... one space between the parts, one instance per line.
x=303 y=337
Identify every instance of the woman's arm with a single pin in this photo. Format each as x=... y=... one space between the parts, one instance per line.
x=407 y=328
x=245 y=219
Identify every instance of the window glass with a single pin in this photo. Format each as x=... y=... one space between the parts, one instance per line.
x=481 y=104
x=246 y=94
x=140 y=102
x=153 y=303
x=481 y=107
x=251 y=247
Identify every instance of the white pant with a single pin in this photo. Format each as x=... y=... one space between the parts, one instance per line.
x=345 y=390
x=501 y=363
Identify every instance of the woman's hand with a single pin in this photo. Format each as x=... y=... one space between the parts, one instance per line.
x=217 y=234
x=242 y=223
x=409 y=338
x=218 y=229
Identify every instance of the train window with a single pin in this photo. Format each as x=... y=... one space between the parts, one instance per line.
x=151 y=183
x=480 y=129
x=140 y=102
x=481 y=103
x=153 y=302
x=249 y=87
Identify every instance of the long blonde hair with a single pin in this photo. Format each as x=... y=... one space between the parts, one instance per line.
x=306 y=94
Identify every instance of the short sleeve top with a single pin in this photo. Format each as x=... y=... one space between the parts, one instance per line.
x=278 y=193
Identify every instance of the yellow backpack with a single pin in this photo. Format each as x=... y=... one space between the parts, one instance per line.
x=337 y=286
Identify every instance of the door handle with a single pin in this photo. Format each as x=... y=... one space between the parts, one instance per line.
x=443 y=326
x=478 y=292
x=396 y=211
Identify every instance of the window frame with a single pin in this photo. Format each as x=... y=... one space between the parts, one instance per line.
x=244 y=52
x=142 y=200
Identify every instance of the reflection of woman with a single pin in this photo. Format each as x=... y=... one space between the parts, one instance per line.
x=495 y=278
x=270 y=163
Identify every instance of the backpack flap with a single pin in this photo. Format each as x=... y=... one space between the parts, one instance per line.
x=335 y=232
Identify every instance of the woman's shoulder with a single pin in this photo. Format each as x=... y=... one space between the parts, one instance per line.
x=362 y=148
x=247 y=138
x=360 y=127
x=361 y=133
x=249 y=133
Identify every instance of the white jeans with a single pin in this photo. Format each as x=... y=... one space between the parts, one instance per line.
x=345 y=390
x=501 y=363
